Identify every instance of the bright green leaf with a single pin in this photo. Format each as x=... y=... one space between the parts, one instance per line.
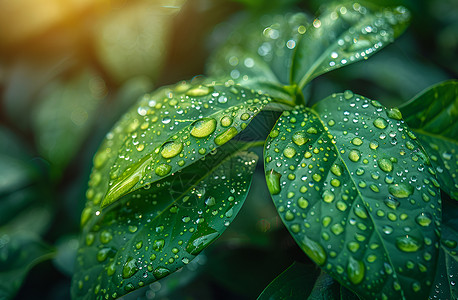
x=294 y=283
x=165 y=132
x=19 y=252
x=342 y=35
x=163 y=226
x=433 y=114
x=358 y=194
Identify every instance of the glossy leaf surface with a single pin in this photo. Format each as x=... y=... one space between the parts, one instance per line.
x=165 y=132
x=342 y=35
x=433 y=115
x=163 y=226
x=356 y=191
x=258 y=53
x=294 y=283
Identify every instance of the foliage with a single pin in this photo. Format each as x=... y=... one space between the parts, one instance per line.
x=345 y=197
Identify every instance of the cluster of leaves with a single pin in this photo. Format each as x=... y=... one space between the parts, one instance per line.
x=367 y=193
x=353 y=184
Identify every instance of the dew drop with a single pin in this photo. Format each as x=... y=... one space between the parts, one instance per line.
x=289 y=152
x=200 y=239
x=394 y=113
x=313 y=250
x=129 y=268
x=203 y=127
x=199 y=91
x=401 y=190
x=385 y=165
x=273 y=182
x=408 y=243
x=226 y=121
x=380 y=123
x=355 y=270
x=171 y=149
x=225 y=136
x=161 y=272
x=354 y=155
x=163 y=169
x=423 y=219
x=300 y=138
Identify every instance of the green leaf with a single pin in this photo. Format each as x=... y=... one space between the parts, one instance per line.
x=160 y=228
x=133 y=38
x=165 y=132
x=356 y=191
x=342 y=35
x=433 y=115
x=294 y=283
x=258 y=53
x=68 y=109
x=19 y=252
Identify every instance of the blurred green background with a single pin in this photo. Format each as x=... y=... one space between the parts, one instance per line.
x=70 y=68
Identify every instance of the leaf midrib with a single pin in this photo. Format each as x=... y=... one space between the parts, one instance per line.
x=360 y=195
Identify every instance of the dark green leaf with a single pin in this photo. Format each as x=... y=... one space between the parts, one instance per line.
x=358 y=194
x=19 y=252
x=259 y=52
x=296 y=282
x=342 y=35
x=445 y=284
x=161 y=227
x=433 y=114
x=325 y=288
x=165 y=132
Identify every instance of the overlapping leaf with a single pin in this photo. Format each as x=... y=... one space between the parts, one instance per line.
x=162 y=227
x=296 y=282
x=342 y=35
x=358 y=194
x=259 y=53
x=433 y=115
x=165 y=132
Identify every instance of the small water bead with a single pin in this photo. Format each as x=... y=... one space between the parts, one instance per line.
x=226 y=121
x=203 y=127
x=199 y=91
x=171 y=149
x=273 y=181
x=289 y=152
x=357 y=141
x=160 y=272
x=337 y=229
x=314 y=250
x=129 y=268
x=385 y=165
x=328 y=196
x=387 y=229
x=394 y=113
x=105 y=237
x=302 y=203
x=401 y=190
x=353 y=246
x=355 y=270
x=163 y=170
x=380 y=123
x=300 y=138
x=354 y=155
x=226 y=136
x=348 y=94
x=408 y=243
x=423 y=219
x=391 y=203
